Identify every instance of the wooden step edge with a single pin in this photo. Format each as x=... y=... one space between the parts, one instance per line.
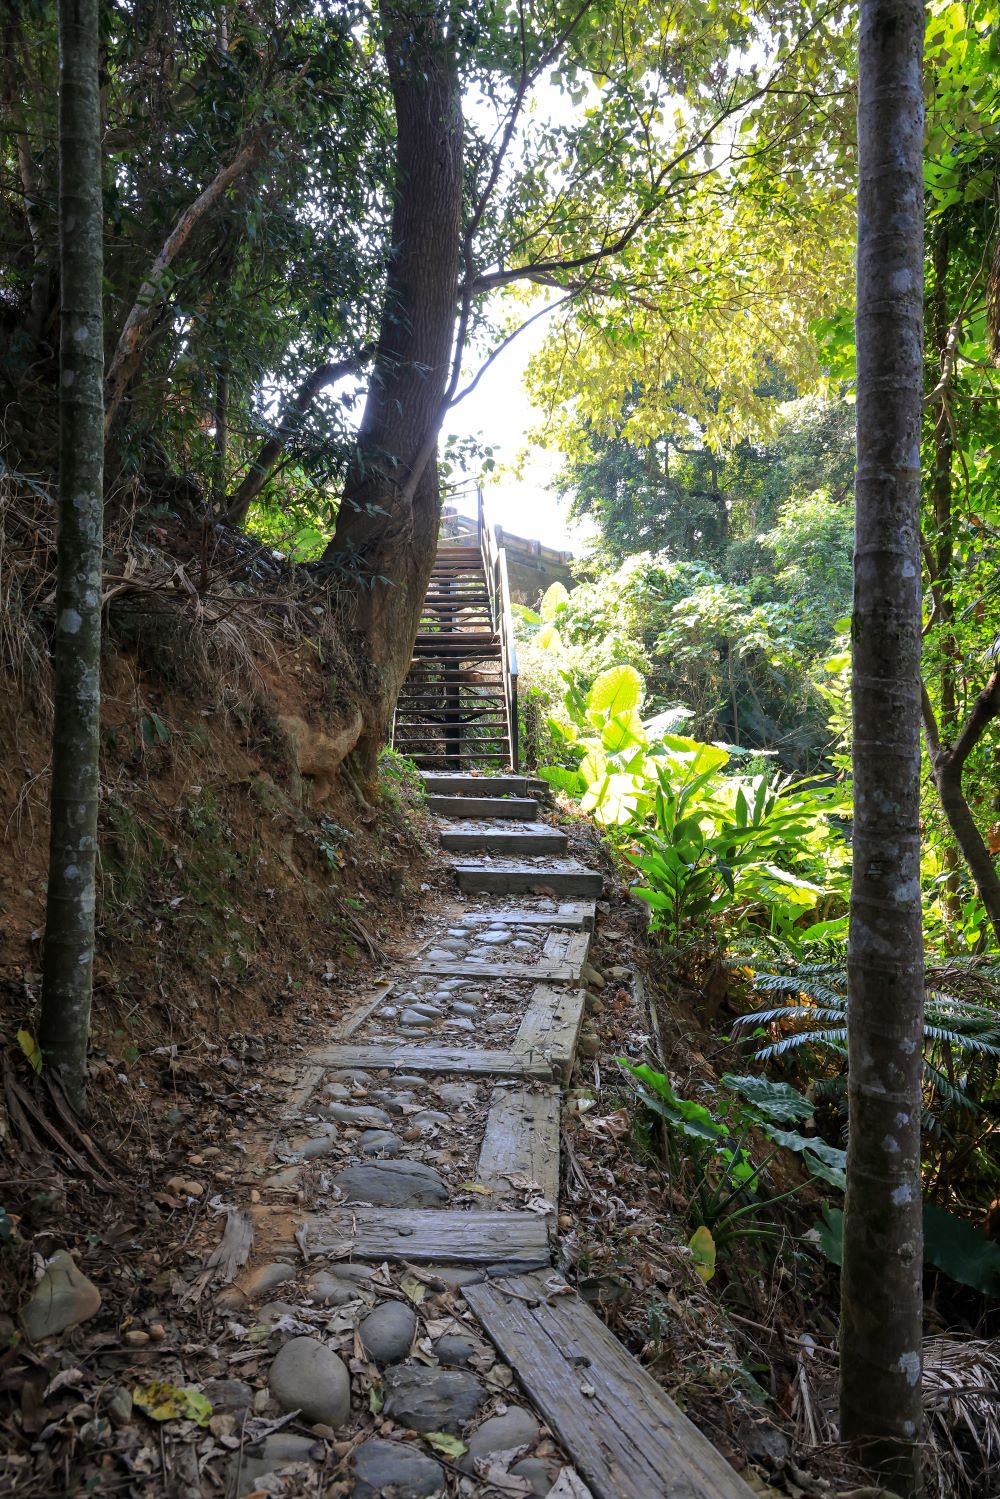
x=623 y=1433
x=450 y=1236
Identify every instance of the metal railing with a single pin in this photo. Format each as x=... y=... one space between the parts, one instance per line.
x=467 y=520
x=494 y=555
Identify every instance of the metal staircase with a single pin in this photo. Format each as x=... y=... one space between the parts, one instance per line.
x=458 y=706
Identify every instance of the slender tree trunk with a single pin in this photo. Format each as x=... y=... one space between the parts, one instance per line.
x=948 y=767
x=69 y=917
x=386 y=534
x=941 y=553
x=881 y=1305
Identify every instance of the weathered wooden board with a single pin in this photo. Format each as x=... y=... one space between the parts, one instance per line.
x=550 y=1029
x=522 y=1140
x=453 y=783
x=358 y=1016
x=494 y=967
x=373 y=1056
x=516 y=808
x=567 y=947
x=529 y=838
x=302 y=1091
x=626 y=1436
x=577 y=915
x=517 y=879
x=453 y=1236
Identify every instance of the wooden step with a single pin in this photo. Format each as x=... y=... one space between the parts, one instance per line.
x=404 y=1057
x=451 y=756
x=458 y=640
x=449 y=1236
x=625 y=1435
x=536 y=838
x=516 y=879
x=522 y=1141
x=466 y=785
x=488 y=965
x=550 y=1028
x=572 y=916
x=487 y=701
x=516 y=808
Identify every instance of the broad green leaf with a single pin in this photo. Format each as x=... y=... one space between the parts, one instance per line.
x=616 y=690
x=554 y=600
x=622 y=731
x=447 y=1445
x=163 y=1401
x=31 y=1049
x=702 y=1247
x=778 y=1101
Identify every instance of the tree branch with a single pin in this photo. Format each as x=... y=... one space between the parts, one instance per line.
x=291 y=419
x=947 y=766
x=128 y=353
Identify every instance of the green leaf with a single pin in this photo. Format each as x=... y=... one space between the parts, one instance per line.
x=702 y=1247
x=554 y=601
x=777 y=1101
x=163 y=1401
x=447 y=1445
x=829 y=1231
x=951 y=1244
x=828 y=1154
x=30 y=1047
x=616 y=690
x=960 y=1250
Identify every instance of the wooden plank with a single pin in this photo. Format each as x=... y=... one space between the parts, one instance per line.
x=567 y=947
x=514 y=879
x=577 y=915
x=493 y=967
x=521 y=1139
x=550 y=1028
x=405 y=1058
x=358 y=1016
x=452 y=1236
x=529 y=838
x=301 y=1093
x=519 y=808
x=625 y=1435
x=454 y=783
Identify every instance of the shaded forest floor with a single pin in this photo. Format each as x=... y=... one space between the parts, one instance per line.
x=240 y=918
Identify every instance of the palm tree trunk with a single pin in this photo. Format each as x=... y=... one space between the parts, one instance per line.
x=881 y=1298
x=69 y=917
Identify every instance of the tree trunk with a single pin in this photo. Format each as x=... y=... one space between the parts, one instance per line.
x=386 y=534
x=881 y=1291
x=69 y=917
x=947 y=767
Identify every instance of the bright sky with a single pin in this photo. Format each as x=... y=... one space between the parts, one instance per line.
x=500 y=414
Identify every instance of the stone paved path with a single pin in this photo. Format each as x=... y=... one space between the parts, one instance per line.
x=445 y=1087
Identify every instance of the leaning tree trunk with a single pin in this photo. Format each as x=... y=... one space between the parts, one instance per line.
x=386 y=534
x=881 y=1306
x=69 y=916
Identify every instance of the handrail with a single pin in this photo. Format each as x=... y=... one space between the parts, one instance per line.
x=494 y=556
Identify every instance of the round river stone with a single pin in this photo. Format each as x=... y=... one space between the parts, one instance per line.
x=306 y=1375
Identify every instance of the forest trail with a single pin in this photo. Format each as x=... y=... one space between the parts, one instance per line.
x=454 y=1181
